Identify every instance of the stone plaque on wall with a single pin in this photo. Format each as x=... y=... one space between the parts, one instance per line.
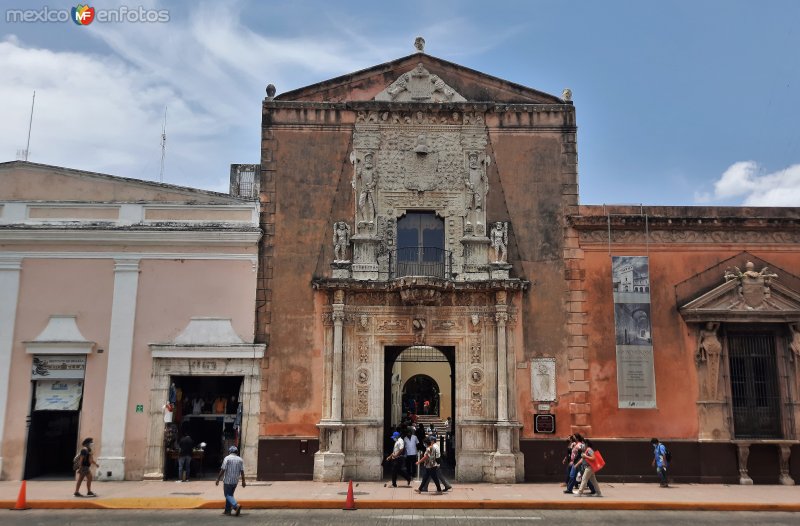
x=543 y=379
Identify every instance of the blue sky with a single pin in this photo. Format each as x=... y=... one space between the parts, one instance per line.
x=678 y=103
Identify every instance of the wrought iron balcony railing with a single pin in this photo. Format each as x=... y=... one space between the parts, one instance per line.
x=421 y=261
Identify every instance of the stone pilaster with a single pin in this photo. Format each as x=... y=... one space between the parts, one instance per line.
x=10 y=270
x=503 y=461
x=118 y=376
x=329 y=460
x=577 y=347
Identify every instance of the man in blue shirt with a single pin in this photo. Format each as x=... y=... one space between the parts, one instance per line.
x=660 y=460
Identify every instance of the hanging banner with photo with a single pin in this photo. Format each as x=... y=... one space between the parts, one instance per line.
x=636 y=381
x=58 y=395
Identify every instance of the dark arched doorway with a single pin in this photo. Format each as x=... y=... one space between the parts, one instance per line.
x=421 y=395
x=422 y=383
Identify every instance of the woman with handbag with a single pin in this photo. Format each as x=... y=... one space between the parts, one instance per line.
x=593 y=462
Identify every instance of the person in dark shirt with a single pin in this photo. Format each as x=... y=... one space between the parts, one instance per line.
x=185 y=446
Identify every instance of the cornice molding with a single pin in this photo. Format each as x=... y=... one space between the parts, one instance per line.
x=131 y=237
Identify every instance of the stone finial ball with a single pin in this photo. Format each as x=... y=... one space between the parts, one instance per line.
x=270 y=90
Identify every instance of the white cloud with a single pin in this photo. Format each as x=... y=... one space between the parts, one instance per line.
x=749 y=182
x=104 y=112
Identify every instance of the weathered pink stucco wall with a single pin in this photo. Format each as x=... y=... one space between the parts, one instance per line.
x=170 y=294
x=82 y=287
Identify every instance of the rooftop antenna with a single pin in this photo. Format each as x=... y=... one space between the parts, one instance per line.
x=23 y=154
x=163 y=146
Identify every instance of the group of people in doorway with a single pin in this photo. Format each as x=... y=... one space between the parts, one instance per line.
x=417 y=446
x=405 y=457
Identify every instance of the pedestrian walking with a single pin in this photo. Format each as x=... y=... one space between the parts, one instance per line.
x=660 y=461
x=185 y=447
x=431 y=464
x=589 y=477
x=576 y=465
x=397 y=460
x=84 y=460
x=567 y=460
x=232 y=468
x=438 y=455
x=410 y=442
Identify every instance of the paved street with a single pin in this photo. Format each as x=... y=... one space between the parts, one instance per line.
x=390 y=517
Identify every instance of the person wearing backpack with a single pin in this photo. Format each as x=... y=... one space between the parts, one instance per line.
x=661 y=458
x=82 y=463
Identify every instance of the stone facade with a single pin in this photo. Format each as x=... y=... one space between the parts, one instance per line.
x=413 y=136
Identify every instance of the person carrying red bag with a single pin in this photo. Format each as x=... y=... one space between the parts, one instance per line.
x=593 y=462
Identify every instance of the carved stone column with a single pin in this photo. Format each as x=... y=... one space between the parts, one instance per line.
x=504 y=462
x=329 y=460
x=785 y=452
x=743 y=449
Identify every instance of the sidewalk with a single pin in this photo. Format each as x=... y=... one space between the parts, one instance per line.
x=310 y=495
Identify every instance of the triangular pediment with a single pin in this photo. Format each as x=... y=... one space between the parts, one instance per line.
x=755 y=293
x=465 y=83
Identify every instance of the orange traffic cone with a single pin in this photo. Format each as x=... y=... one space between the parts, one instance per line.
x=350 y=503
x=22 y=503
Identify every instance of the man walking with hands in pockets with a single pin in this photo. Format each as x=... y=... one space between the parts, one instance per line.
x=232 y=468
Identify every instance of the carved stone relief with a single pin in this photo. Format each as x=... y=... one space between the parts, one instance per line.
x=418 y=85
x=476 y=376
x=362 y=407
x=422 y=160
x=543 y=379
x=362 y=376
x=476 y=402
x=709 y=350
x=392 y=325
x=363 y=350
x=341 y=240
x=475 y=354
x=753 y=287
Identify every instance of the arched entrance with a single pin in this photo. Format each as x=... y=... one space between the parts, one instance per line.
x=421 y=395
x=417 y=373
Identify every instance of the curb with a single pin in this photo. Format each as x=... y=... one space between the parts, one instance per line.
x=168 y=503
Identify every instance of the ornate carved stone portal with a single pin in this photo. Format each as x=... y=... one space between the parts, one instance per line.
x=752 y=297
x=449 y=293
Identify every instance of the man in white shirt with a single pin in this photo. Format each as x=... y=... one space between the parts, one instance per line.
x=397 y=460
x=232 y=468
x=411 y=442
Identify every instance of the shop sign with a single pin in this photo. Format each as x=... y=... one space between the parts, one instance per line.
x=58 y=367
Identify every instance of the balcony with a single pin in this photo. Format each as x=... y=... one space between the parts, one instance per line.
x=431 y=262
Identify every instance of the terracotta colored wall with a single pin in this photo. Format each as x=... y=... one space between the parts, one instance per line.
x=674 y=342
x=311 y=185
x=80 y=287
x=306 y=181
x=526 y=188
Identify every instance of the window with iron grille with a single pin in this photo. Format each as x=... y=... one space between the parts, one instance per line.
x=756 y=401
